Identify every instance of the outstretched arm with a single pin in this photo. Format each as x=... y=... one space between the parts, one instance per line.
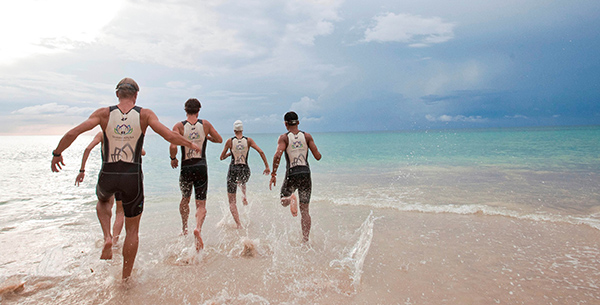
x=225 y=153
x=281 y=145
x=171 y=136
x=71 y=135
x=86 y=153
x=262 y=155
x=312 y=146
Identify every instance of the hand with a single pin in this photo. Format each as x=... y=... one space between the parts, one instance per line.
x=79 y=178
x=267 y=171
x=56 y=164
x=273 y=182
x=195 y=147
x=174 y=163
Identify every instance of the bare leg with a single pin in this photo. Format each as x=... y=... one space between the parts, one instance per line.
x=234 y=210
x=104 y=212
x=118 y=225
x=184 y=210
x=305 y=221
x=200 y=215
x=294 y=205
x=244 y=198
x=130 y=246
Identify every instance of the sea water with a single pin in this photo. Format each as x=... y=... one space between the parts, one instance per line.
x=490 y=216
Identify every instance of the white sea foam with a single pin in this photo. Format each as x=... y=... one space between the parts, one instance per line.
x=354 y=258
x=467 y=209
x=224 y=297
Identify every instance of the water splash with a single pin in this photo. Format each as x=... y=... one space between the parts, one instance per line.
x=354 y=258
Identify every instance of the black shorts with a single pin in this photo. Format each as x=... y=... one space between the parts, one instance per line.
x=238 y=173
x=129 y=186
x=301 y=182
x=195 y=176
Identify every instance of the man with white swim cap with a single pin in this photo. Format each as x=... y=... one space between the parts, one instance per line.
x=239 y=171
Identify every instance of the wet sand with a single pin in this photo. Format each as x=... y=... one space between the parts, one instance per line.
x=391 y=257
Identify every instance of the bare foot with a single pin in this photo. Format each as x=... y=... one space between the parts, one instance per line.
x=107 y=250
x=294 y=205
x=244 y=201
x=199 y=242
x=239 y=226
x=184 y=232
x=115 y=239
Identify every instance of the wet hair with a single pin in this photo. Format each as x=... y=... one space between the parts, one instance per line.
x=192 y=106
x=127 y=88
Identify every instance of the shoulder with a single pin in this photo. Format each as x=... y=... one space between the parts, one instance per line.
x=146 y=112
x=104 y=111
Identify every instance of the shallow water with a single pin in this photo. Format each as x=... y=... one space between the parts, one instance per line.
x=514 y=227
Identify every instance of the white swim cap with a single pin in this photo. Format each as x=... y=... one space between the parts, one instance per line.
x=238 y=126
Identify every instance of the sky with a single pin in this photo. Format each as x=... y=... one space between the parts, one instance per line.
x=377 y=65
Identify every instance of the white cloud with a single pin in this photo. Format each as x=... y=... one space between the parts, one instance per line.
x=177 y=39
x=316 y=19
x=305 y=33
x=176 y=84
x=416 y=31
x=305 y=106
x=516 y=116
x=456 y=118
x=43 y=27
x=55 y=87
x=54 y=108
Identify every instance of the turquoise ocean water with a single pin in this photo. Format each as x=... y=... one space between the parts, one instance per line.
x=504 y=216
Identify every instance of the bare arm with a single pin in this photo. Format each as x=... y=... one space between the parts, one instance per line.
x=66 y=141
x=226 y=148
x=281 y=145
x=178 y=128
x=312 y=146
x=211 y=133
x=262 y=155
x=171 y=136
x=86 y=153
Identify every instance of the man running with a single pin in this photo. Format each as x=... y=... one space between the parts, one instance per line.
x=239 y=171
x=194 y=170
x=119 y=214
x=295 y=144
x=124 y=126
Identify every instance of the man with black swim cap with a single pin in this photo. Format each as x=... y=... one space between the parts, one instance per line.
x=295 y=144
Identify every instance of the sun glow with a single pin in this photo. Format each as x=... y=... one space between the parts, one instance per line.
x=30 y=27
